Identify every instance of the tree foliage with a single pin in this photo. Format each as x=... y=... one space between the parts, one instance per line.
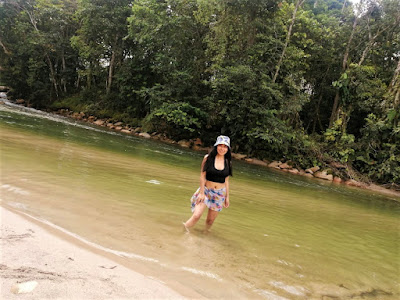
x=312 y=81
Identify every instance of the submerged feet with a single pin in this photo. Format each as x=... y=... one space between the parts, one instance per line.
x=184 y=226
x=207 y=229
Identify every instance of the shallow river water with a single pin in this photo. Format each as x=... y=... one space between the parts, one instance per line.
x=284 y=236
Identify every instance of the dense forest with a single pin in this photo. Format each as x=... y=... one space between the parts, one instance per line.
x=307 y=81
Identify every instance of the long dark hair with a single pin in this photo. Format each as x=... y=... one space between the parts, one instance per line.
x=211 y=157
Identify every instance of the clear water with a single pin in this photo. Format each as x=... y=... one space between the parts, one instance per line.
x=284 y=236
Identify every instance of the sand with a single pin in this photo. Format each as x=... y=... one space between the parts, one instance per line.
x=59 y=269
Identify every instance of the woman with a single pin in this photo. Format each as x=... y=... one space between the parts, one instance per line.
x=213 y=192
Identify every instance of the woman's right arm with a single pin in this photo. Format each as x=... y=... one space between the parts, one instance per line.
x=201 y=196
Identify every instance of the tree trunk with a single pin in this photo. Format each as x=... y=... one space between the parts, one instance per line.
x=52 y=74
x=78 y=81
x=110 y=72
x=334 y=108
x=317 y=117
x=346 y=54
x=89 y=76
x=4 y=48
x=394 y=87
x=288 y=36
x=344 y=67
x=317 y=108
x=64 y=68
x=372 y=41
x=344 y=5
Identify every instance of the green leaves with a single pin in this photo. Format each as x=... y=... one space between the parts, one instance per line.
x=204 y=67
x=179 y=119
x=379 y=148
x=339 y=144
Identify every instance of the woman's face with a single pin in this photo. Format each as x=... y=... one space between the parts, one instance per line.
x=222 y=149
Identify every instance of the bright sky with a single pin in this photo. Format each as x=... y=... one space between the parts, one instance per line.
x=354 y=1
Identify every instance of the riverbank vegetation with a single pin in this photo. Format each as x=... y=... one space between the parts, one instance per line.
x=307 y=81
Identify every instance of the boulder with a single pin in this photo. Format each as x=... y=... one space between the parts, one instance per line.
x=337 y=179
x=309 y=171
x=199 y=148
x=323 y=175
x=315 y=169
x=137 y=130
x=284 y=166
x=126 y=131
x=308 y=175
x=275 y=164
x=238 y=156
x=145 y=135
x=77 y=116
x=4 y=88
x=259 y=163
x=118 y=124
x=118 y=128
x=197 y=142
x=110 y=125
x=20 y=101
x=91 y=118
x=352 y=182
x=294 y=171
x=184 y=143
x=99 y=122
x=169 y=141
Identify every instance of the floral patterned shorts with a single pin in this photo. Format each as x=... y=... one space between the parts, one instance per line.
x=214 y=198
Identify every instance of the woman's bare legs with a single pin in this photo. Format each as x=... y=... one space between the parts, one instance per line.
x=211 y=216
x=198 y=211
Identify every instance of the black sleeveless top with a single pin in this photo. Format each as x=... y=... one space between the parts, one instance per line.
x=215 y=175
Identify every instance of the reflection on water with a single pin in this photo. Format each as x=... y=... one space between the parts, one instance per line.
x=284 y=237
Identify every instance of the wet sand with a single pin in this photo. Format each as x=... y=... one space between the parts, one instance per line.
x=62 y=269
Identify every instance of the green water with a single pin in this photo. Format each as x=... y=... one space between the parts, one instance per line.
x=284 y=236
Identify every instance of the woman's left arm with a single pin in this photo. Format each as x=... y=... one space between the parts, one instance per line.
x=226 y=204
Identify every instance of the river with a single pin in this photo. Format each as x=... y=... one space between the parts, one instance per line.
x=283 y=237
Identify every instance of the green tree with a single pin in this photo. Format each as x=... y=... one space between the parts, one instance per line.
x=373 y=20
x=378 y=153
x=100 y=39
x=36 y=47
x=310 y=81
x=168 y=37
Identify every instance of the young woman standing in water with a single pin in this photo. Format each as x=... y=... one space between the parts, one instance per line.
x=213 y=192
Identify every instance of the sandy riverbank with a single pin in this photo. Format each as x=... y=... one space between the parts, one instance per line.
x=64 y=270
